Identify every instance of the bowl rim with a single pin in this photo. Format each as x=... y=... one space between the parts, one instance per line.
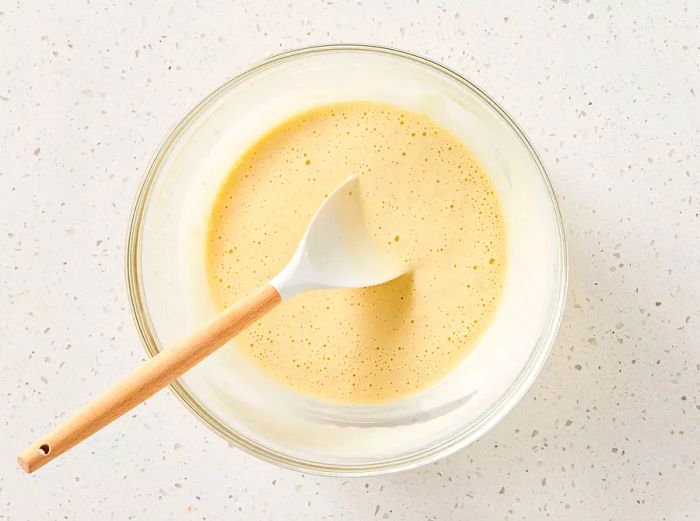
x=488 y=419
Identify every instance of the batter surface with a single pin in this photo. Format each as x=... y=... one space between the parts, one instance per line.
x=426 y=199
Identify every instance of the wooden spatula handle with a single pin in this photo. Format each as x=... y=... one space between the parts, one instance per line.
x=150 y=377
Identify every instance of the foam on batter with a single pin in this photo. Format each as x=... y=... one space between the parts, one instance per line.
x=426 y=199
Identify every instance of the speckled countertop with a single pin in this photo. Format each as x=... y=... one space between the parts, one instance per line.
x=607 y=92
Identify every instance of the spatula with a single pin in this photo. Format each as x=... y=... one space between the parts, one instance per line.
x=336 y=251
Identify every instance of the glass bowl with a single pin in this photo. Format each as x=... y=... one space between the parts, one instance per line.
x=167 y=280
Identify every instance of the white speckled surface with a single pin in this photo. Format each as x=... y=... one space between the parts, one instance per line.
x=609 y=95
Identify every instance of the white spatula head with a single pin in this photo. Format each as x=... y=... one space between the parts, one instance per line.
x=337 y=250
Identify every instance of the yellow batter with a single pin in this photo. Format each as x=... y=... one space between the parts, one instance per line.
x=426 y=198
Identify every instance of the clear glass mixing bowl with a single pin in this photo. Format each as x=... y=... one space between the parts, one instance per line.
x=167 y=286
